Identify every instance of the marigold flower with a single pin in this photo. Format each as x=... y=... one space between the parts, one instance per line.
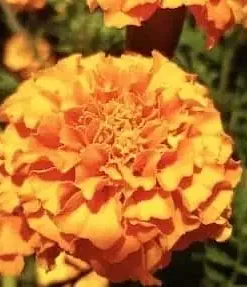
x=115 y=161
x=20 y=5
x=20 y=55
x=215 y=17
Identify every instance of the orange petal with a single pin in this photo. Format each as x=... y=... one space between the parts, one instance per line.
x=146 y=163
x=13 y=145
x=63 y=160
x=48 y=193
x=215 y=207
x=224 y=233
x=171 y=175
x=131 y=267
x=9 y=199
x=11 y=265
x=43 y=224
x=202 y=186
x=61 y=272
x=89 y=186
x=233 y=172
x=48 y=131
x=147 y=182
x=215 y=18
x=194 y=94
x=85 y=224
x=154 y=207
x=182 y=225
x=27 y=104
x=208 y=123
x=121 y=249
x=143 y=231
x=153 y=255
x=13 y=240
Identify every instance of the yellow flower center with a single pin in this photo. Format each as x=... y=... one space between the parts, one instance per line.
x=121 y=128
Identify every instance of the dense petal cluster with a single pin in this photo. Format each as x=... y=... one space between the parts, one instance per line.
x=213 y=16
x=20 y=5
x=26 y=56
x=115 y=161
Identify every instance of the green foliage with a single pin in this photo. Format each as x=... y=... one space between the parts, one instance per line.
x=238 y=125
x=77 y=30
x=224 y=71
x=227 y=265
x=7 y=83
x=194 y=57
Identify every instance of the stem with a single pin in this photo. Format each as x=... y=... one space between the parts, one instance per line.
x=226 y=67
x=161 y=32
x=11 y=19
x=8 y=281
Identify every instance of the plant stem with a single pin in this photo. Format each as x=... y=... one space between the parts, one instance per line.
x=229 y=54
x=8 y=281
x=161 y=32
x=11 y=19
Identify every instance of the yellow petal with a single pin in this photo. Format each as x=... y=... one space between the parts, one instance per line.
x=61 y=272
x=224 y=234
x=218 y=204
x=146 y=182
x=12 y=236
x=155 y=207
x=9 y=199
x=89 y=186
x=43 y=224
x=92 y=279
x=11 y=265
x=202 y=186
x=85 y=224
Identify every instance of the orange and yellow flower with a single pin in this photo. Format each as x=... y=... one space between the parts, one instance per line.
x=115 y=161
x=26 y=56
x=20 y=5
x=213 y=16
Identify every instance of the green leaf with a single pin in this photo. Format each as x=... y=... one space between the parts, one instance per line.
x=214 y=275
x=76 y=30
x=240 y=205
x=215 y=255
x=192 y=37
x=242 y=270
x=7 y=83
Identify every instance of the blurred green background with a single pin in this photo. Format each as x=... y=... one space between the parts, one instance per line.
x=70 y=28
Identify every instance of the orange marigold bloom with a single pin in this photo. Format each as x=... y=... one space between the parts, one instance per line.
x=20 y=5
x=20 y=55
x=213 y=16
x=117 y=162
